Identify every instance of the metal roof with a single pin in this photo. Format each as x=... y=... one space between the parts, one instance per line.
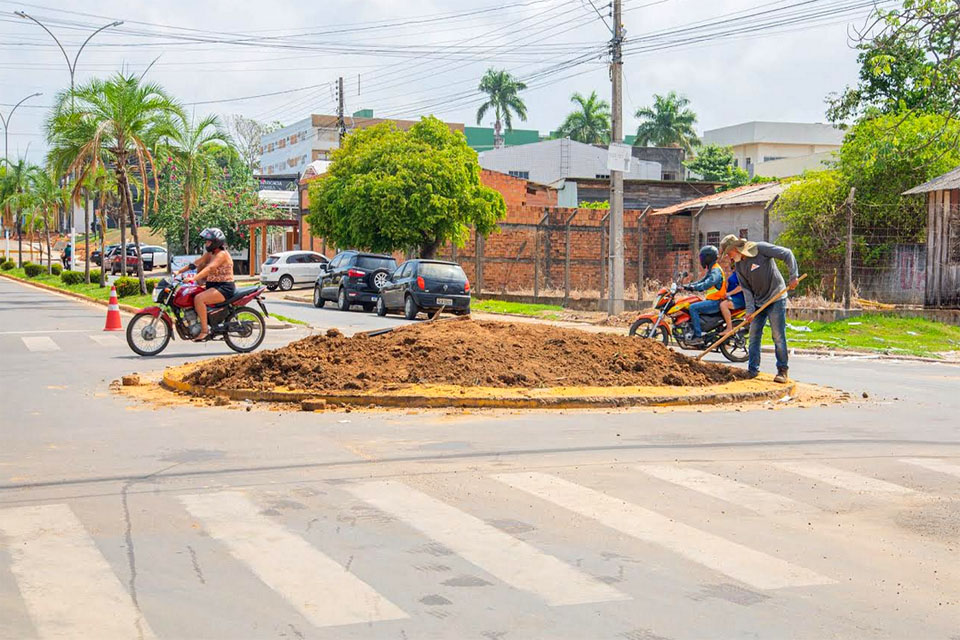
x=747 y=195
x=949 y=180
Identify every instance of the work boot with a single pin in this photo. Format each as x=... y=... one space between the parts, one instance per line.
x=752 y=374
x=781 y=375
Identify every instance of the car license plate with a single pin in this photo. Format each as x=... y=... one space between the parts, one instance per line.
x=374 y=298
x=447 y=302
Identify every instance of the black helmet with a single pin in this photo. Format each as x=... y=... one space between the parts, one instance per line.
x=215 y=236
x=708 y=256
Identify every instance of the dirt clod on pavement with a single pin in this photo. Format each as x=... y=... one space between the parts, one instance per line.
x=463 y=352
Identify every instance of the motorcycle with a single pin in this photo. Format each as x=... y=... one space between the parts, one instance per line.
x=670 y=316
x=241 y=327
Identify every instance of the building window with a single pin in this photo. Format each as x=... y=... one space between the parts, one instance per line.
x=772 y=158
x=736 y=162
x=603 y=176
x=713 y=237
x=745 y=233
x=523 y=175
x=953 y=236
x=668 y=175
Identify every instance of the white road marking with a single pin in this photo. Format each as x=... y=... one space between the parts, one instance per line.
x=17 y=333
x=842 y=478
x=935 y=465
x=40 y=343
x=105 y=340
x=747 y=565
x=514 y=561
x=68 y=587
x=321 y=589
x=738 y=493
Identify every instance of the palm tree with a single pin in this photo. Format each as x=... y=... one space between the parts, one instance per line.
x=190 y=143
x=120 y=118
x=48 y=197
x=590 y=123
x=668 y=124
x=501 y=89
x=17 y=197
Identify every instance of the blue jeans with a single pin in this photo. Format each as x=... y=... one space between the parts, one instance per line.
x=777 y=313
x=704 y=306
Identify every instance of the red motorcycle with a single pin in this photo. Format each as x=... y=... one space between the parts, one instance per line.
x=241 y=327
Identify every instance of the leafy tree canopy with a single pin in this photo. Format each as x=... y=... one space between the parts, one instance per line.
x=391 y=190
x=589 y=123
x=714 y=163
x=668 y=123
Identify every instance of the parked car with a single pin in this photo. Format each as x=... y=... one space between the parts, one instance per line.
x=285 y=269
x=425 y=285
x=95 y=254
x=353 y=277
x=153 y=258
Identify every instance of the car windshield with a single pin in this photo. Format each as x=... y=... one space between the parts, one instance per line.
x=374 y=262
x=272 y=259
x=446 y=272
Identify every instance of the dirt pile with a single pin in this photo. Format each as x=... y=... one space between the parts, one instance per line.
x=462 y=352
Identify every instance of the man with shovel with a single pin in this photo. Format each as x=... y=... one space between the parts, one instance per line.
x=761 y=282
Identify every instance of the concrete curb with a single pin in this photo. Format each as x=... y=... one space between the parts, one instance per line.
x=861 y=354
x=424 y=396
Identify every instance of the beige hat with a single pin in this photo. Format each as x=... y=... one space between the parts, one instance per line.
x=745 y=247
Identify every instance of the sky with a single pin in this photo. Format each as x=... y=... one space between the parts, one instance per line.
x=418 y=57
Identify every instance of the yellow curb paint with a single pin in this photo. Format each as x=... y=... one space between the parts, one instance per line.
x=440 y=396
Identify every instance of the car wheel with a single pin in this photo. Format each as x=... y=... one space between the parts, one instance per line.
x=342 y=303
x=379 y=279
x=285 y=283
x=318 y=300
x=381 y=307
x=410 y=308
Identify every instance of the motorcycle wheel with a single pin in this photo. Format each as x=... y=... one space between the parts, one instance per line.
x=735 y=349
x=147 y=335
x=641 y=327
x=245 y=329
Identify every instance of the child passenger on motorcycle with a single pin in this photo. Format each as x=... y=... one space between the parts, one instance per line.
x=714 y=285
x=735 y=300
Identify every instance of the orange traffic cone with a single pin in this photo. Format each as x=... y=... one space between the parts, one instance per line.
x=113 y=312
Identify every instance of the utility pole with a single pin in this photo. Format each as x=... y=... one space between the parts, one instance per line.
x=341 y=123
x=615 y=294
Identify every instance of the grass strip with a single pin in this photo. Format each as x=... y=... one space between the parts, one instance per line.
x=93 y=290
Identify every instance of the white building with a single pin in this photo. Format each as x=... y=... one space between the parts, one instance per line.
x=778 y=149
x=292 y=148
x=551 y=161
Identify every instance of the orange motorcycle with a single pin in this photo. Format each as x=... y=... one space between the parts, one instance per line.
x=670 y=316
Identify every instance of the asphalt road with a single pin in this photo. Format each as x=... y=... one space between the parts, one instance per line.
x=124 y=520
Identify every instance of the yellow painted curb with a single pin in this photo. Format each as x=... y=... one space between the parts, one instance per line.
x=420 y=395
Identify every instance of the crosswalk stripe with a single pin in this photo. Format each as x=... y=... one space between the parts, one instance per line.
x=40 y=343
x=747 y=565
x=738 y=493
x=105 y=341
x=934 y=465
x=842 y=478
x=68 y=587
x=321 y=589
x=514 y=561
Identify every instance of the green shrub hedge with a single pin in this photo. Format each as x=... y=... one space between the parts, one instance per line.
x=6 y=265
x=32 y=270
x=151 y=284
x=94 y=275
x=127 y=287
x=71 y=277
x=56 y=269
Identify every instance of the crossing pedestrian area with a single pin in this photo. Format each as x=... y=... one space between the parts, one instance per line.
x=62 y=341
x=521 y=553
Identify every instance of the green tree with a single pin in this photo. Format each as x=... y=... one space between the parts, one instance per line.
x=715 y=163
x=120 y=118
x=17 y=197
x=391 y=190
x=246 y=134
x=589 y=123
x=910 y=61
x=668 y=123
x=190 y=143
x=503 y=97
x=48 y=198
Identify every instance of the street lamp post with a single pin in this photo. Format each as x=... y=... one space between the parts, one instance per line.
x=6 y=125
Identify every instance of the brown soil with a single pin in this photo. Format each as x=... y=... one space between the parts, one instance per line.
x=463 y=352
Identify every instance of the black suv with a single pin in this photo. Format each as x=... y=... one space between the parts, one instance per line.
x=352 y=278
x=426 y=285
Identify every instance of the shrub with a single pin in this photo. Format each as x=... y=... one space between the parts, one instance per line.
x=32 y=270
x=151 y=284
x=94 y=275
x=6 y=265
x=127 y=287
x=56 y=269
x=71 y=277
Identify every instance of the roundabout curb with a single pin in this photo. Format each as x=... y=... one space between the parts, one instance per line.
x=451 y=396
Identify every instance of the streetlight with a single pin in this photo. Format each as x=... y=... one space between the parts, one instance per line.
x=70 y=65
x=6 y=124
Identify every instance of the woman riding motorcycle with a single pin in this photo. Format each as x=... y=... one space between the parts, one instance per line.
x=715 y=287
x=215 y=269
